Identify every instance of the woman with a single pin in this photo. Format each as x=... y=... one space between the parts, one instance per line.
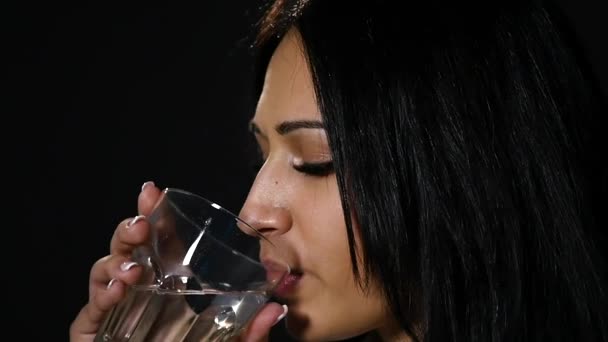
x=427 y=170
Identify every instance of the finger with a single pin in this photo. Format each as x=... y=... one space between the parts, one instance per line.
x=148 y=197
x=128 y=234
x=109 y=279
x=260 y=326
x=113 y=267
x=134 y=231
x=91 y=316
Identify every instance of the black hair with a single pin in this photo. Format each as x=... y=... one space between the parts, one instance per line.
x=460 y=138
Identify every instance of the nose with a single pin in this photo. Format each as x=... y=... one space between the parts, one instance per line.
x=266 y=207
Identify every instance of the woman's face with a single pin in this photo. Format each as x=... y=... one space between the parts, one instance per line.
x=295 y=200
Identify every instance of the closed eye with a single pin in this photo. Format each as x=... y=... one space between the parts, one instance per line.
x=316 y=169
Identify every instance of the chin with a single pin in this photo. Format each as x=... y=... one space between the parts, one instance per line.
x=300 y=328
x=303 y=329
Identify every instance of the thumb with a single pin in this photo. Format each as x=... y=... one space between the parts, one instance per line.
x=260 y=326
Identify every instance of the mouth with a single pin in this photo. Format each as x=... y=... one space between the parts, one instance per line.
x=288 y=284
x=285 y=283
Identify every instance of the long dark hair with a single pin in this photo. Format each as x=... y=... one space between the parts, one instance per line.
x=459 y=138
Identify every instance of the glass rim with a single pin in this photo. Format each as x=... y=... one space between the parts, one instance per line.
x=168 y=190
x=214 y=205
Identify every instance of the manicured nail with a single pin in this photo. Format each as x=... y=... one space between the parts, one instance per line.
x=282 y=315
x=125 y=266
x=146 y=184
x=110 y=283
x=135 y=220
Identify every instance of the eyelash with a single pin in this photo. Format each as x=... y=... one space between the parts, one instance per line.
x=321 y=169
x=311 y=169
x=316 y=169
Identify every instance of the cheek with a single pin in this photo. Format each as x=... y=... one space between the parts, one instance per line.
x=331 y=305
x=320 y=224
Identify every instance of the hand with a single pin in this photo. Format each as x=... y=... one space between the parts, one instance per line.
x=261 y=324
x=111 y=275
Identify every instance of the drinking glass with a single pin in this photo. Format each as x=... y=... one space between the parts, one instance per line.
x=206 y=273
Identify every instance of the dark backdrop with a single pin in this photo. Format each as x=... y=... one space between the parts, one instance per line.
x=100 y=98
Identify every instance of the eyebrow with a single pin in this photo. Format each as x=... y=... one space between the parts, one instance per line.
x=286 y=127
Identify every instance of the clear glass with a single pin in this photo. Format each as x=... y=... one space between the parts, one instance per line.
x=203 y=275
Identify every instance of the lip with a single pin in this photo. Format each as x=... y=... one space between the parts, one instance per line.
x=285 y=283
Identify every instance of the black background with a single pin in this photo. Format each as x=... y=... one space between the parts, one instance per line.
x=100 y=98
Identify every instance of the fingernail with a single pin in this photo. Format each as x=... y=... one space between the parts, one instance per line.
x=146 y=184
x=110 y=283
x=135 y=220
x=125 y=266
x=282 y=315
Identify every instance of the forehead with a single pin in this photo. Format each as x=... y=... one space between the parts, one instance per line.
x=288 y=92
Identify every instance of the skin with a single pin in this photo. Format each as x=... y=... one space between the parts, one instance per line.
x=303 y=212
x=299 y=212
